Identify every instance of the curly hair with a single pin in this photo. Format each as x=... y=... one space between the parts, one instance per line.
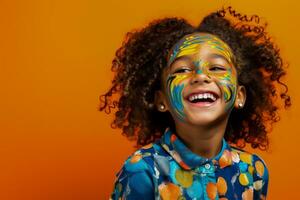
x=139 y=62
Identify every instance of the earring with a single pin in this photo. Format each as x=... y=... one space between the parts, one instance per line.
x=162 y=106
x=240 y=105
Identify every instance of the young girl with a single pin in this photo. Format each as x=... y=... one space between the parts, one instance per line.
x=187 y=94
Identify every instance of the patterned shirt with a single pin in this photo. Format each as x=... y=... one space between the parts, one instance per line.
x=168 y=170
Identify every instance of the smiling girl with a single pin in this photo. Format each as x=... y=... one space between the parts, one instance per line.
x=192 y=97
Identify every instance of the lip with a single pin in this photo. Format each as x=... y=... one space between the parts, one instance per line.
x=201 y=91
x=202 y=104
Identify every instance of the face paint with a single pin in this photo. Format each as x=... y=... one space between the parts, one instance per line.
x=175 y=88
x=191 y=44
x=226 y=79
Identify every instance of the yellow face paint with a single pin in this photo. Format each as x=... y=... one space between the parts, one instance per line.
x=190 y=46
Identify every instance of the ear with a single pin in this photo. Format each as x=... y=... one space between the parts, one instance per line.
x=160 y=101
x=240 y=97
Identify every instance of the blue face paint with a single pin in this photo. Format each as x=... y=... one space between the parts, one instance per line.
x=190 y=46
x=175 y=95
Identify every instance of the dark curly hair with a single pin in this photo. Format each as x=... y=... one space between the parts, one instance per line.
x=138 y=64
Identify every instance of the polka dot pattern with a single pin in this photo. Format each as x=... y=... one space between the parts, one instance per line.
x=178 y=173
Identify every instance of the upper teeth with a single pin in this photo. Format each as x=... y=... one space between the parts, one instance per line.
x=202 y=96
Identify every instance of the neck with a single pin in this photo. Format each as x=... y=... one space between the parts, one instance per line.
x=203 y=141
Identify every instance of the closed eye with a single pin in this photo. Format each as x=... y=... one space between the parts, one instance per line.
x=182 y=70
x=217 y=68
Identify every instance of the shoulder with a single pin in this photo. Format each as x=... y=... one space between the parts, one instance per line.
x=248 y=157
x=253 y=163
x=135 y=178
x=142 y=159
x=253 y=171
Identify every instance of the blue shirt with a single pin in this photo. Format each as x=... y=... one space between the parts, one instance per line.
x=167 y=169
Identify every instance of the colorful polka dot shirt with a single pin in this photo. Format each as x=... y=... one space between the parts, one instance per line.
x=168 y=170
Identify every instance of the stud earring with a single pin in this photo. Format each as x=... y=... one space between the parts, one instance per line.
x=162 y=106
x=240 y=105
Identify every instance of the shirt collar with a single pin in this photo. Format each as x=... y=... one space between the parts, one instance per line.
x=189 y=160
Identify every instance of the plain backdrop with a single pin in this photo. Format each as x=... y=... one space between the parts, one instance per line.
x=55 y=58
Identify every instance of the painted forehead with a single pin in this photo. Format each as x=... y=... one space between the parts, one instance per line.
x=191 y=44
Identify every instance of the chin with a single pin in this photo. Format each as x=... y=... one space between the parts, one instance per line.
x=207 y=119
x=203 y=121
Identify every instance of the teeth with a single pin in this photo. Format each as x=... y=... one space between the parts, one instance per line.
x=202 y=96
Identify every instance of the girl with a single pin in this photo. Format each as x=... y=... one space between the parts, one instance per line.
x=187 y=95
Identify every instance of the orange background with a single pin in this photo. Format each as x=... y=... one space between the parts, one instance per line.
x=55 y=61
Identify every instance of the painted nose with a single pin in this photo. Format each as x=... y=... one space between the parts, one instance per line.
x=200 y=77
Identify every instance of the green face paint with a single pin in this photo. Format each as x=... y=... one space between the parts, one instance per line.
x=190 y=46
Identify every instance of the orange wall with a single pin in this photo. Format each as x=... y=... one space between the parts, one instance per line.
x=55 y=61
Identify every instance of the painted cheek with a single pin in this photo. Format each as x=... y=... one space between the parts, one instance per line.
x=175 y=88
x=228 y=84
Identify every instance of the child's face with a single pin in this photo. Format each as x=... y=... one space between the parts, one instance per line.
x=200 y=80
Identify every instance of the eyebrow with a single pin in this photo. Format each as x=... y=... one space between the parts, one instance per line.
x=185 y=57
x=178 y=58
x=214 y=55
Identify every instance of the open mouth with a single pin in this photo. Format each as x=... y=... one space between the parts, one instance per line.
x=202 y=99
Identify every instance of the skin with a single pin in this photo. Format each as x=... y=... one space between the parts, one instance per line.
x=200 y=61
